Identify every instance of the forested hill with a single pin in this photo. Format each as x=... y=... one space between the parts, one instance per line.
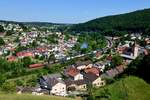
x=138 y=21
x=32 y=23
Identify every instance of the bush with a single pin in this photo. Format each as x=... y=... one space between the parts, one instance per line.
x=8 y=87
x=109 y=80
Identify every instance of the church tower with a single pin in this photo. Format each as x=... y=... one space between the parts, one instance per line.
x=135 y=50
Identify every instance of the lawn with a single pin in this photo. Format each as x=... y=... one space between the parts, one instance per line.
x=130 y=88
x=31 y=97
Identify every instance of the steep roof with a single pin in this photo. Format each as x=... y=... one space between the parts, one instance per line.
x=36 y=65
x=93 y=70
x=90 y=77
x=72 y=71
x=77 y=82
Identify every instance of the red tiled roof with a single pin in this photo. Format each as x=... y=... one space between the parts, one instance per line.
x=72 y=72
x=25 y=54
x=41 y=49
x=36 y=65
x=11 y=58
x=93 y=70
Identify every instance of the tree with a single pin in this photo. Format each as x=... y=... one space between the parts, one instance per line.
x=26 y=61
x=143 y=69
x=133 y=66
x=51 y=58
x=117 y=60
x=9 y=32
x=20 y=48
x=1 y=41
x=34 y=44
x=117 y=25
x=8 y=87
x=1 y=28
x=140 y=67
x=2 y=79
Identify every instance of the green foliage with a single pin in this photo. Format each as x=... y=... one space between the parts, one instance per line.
x=19 y=82
x=23 y=27
x=93 y=40
x=140 y=67
x=133 y=66
x=137 y=21
x=109 y=80
x=117 y=60
x=67 y=37
x=51 y=58
x=9 y=33
x=55 y=68
x=20 y=48
x=129 y=88
x=8 y=87
x=1 y=41
x=32 y=81
x=33 y=44
x=27 y=61
x=2 y=79
x=11 y=69
x=31 y=97
x=53 y=38
x=1 y=28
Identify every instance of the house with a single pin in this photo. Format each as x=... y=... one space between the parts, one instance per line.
x=112 y=72
x=80 y=65
x=94 y=80
x=36 y=65
x=73 y=73
x=146 y=52
x=55 y=85
x=147 y=40
x=78 y=85
x=120 y=69
x=100 y=65
x=93 y=70
x=24 y=54
x=12 y=58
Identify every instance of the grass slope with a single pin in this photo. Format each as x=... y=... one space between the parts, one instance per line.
x=30 y=97
x=130 y=88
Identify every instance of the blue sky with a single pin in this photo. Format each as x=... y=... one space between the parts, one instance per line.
x=66 y=11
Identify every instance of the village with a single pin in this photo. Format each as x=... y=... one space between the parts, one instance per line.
x=47 y=48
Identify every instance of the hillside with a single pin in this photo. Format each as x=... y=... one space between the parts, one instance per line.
x=130 y=88
x=137 y=21
x=30 y=97
x=32 y=23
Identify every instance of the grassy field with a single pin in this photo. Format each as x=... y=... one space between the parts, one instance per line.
x=31 y=97
x=130 y=88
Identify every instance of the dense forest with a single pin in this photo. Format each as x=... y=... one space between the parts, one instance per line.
x=138 y=21
x=31 y=23
x=140 y=67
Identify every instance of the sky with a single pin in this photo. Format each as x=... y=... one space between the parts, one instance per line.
x=66 y=11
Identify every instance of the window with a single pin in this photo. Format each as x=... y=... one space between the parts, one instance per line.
x=84 y=86
x=102 y=83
